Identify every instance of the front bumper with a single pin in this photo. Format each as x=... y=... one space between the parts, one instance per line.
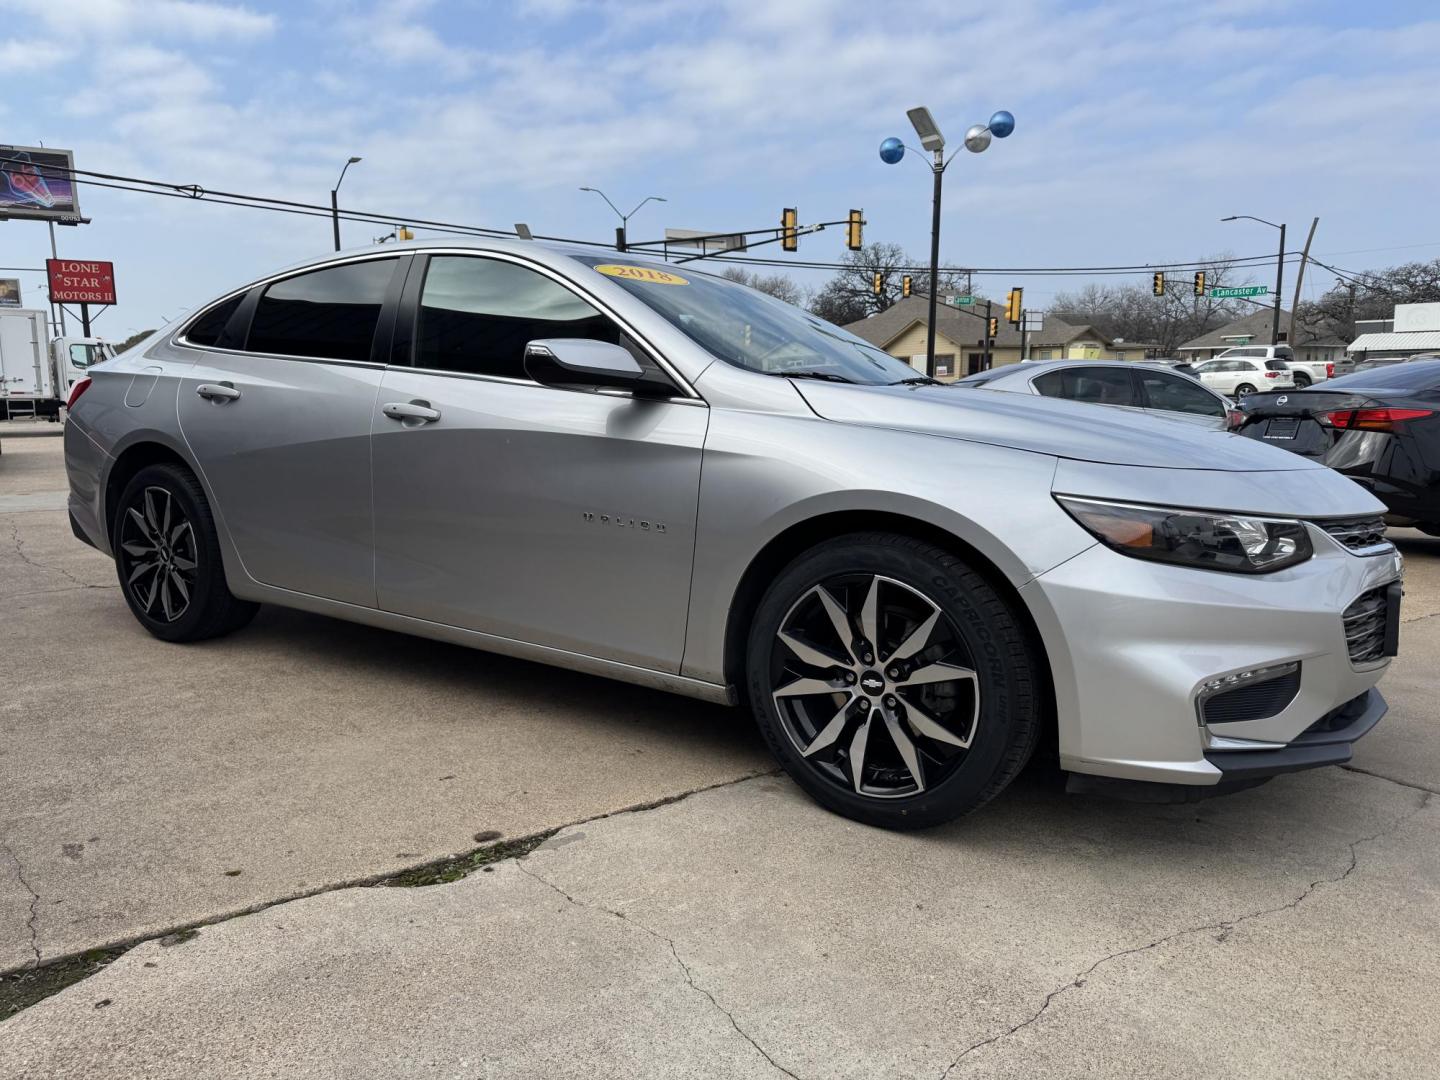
x=1132 y=645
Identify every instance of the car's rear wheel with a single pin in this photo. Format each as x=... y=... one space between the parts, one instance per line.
x=892 y=681
x=167 y=556
x=1302 y=381
x=1243 y=389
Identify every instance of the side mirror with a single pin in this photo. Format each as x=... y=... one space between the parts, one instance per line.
x=580 y=362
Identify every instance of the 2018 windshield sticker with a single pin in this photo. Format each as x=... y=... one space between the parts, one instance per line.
x=641 y=273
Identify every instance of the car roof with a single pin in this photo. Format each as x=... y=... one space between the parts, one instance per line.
x=1030 y=368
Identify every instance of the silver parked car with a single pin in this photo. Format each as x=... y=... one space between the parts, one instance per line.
x=649 y=473
x=1131 y=385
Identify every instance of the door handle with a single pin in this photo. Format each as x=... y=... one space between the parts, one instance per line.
x=411 y=413
x=217 y=391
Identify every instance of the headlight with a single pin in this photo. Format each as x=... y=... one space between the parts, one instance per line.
x=1237 y=543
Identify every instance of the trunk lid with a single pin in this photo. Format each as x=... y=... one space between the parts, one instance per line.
x=1291 y=420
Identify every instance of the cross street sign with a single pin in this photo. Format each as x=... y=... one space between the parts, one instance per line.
x=961 y=301
x=1244 y=290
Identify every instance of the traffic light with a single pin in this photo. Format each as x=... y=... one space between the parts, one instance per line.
x=905 y=285
x=789 y=223
x=1199 y=282
x=879 y=283
x=852 y=231
x=1014 y=306
x=994 y=326
x=1159 y=287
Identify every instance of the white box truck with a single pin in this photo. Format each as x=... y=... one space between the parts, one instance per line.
x=36 y=374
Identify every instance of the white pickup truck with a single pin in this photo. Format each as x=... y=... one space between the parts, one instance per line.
x=1307 y=372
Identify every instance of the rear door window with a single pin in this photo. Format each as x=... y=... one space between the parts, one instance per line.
x=1098 y=385
x=1276 y=365
x=328 y=314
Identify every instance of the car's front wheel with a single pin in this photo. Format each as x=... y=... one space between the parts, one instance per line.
x=893 y=682
x=168 y=557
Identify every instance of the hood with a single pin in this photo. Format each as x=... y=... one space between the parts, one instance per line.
x=1064 y=429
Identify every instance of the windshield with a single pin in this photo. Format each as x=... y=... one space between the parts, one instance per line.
x=82 y=356
x=751 y=330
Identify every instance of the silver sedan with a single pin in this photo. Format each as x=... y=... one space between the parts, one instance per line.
x=649 y=473
x=1132 y=385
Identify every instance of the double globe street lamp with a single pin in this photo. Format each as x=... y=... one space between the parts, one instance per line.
x=977 y=139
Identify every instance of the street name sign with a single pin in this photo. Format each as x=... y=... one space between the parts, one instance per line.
x=961 y=301
x=1243 y=290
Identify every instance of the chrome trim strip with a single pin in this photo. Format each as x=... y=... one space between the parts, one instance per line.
x=178 y=339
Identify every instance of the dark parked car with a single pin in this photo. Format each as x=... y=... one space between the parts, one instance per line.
x=1379 y=427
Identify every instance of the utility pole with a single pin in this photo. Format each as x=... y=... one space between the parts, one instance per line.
x=58 y=307
x=1024 y=345
x=939 y=169
x=335 y=200
x=988 y=316
x=1279 y=284
x=1300 y=278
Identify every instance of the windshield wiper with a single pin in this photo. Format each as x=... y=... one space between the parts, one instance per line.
x=826 y=376
x=918 y=380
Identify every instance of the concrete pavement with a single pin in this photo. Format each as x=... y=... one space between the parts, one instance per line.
x=1286 y=930
x=144 y=786
x=745 y=932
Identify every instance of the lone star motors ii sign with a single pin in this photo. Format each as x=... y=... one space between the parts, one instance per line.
x=80 y=281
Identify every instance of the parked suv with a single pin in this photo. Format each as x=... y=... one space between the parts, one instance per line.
x=1307 y=372
x=645 y=472
x=1241 y=375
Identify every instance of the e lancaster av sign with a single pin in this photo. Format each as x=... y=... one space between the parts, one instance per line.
x=81 y=281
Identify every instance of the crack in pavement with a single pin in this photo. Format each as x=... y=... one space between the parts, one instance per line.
x=34 y=905
x=1390 y=779
x=670 y=943
x=1225 y=925
x=28 y=561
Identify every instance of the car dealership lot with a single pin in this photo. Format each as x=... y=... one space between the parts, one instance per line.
x=740 y=931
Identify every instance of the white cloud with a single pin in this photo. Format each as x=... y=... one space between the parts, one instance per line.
x=20 y=56
x=195 y=19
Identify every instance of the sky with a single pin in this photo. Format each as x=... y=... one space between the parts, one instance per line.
x=1139 y=124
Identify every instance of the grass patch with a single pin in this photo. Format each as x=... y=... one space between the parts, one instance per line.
x=21 y=989
x=447 y=870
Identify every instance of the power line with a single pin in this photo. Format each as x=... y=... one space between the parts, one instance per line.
x=197 y=193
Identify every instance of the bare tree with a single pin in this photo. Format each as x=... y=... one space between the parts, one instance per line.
x=1134 y=313
x=776 y=285
x=1370 y=295
x=850 y=295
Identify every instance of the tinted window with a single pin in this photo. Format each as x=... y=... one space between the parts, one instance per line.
x=207 y=328
x=325 y=313
x=1103 y=386
x=1276 y=365
x=1174 y=394
x=477 y=315
x=1417 y=375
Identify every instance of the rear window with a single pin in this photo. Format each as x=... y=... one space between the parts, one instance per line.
x=205 y=331
x=1419 y=375
x=1276 y=365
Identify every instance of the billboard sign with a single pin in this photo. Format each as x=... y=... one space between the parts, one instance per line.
x=38 y=183
x=9 y=292
x=80 y=281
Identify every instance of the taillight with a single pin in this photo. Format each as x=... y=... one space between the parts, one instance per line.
x=1329 y=370
x=1272 y=374
x=1383 y=419
x=75 y=391
x=1235 y=420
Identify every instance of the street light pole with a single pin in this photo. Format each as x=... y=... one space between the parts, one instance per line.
x=335 y=200
x=976 y=140
x=1279 y=270
x=620 y=234
x=939 y=169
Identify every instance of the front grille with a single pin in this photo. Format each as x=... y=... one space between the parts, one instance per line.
x=1253 y=700
x=1365 y=622
x=1357 y=534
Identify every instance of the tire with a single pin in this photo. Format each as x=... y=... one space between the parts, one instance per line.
x=968 y=735
x=182 y=596
x=1243 y=389
x=1302 y=381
